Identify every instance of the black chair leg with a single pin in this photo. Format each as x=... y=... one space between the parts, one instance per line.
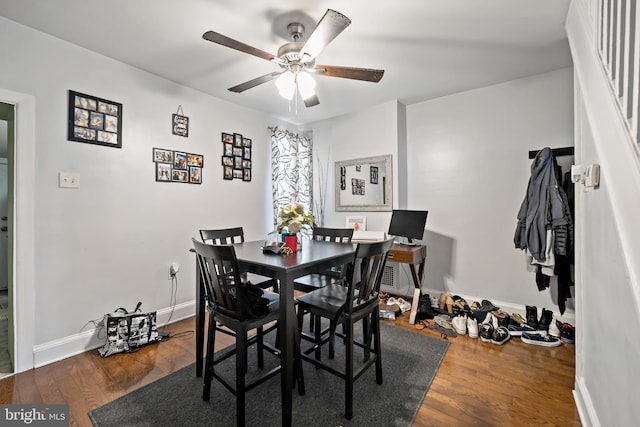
x=208 y=366
x=260 y=346
x=241 y=363
x=312 y=319
x=377 y=348
x=348 y=393
x=318 y=334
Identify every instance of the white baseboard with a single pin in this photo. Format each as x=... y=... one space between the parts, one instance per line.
x=586 y=410
x=56 y=350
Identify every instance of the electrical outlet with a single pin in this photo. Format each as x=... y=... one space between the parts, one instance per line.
x=173 y=270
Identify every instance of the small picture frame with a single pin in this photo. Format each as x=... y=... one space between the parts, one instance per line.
x=246 y=153
x=237 y=140
x=228 y=172
x=373 y=175
x=195 y=175
x=227 y=137
x=94 y=120
x=227 y=161
x=163 y=172
x=228 y=149
x=163 y=156
x=246 y=175
x=180 y=175
x=179 y=160
x=195 y=160
x=357 y=222
x=237 y=162
x=246 y=142
x=180 y=123
x=238 y=174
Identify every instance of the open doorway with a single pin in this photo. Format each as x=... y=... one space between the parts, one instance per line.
x=6 y=292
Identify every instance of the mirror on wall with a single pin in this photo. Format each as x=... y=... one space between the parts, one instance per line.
x=364 y=184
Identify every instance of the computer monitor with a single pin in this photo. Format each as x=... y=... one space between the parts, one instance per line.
x=409 y=224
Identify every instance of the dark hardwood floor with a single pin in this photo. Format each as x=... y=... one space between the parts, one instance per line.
x=478 y=384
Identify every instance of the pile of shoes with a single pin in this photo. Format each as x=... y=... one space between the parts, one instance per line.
x=484 y=320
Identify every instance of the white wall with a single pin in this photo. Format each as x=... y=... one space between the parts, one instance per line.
x=109 y=243
x=371 y=132
x=465 y=159
x=468 y=165
x=608 y=310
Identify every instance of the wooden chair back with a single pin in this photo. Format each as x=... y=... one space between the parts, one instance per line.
x=221 y=276
x=223 y=236
x=340 y=235
x=371 y=259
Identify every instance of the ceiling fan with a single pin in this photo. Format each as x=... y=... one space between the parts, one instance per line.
x=297 y=59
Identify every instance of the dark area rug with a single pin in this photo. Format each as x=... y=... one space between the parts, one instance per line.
x=410 y=361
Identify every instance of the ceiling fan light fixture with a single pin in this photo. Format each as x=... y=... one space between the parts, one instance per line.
x=286 y=85
x=306 y=85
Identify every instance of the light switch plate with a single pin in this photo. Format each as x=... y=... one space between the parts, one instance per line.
x=68 y=180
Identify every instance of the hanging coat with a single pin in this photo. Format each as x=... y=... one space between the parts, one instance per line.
x=546 y=213
x=545 y=207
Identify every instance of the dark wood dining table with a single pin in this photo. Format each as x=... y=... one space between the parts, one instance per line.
x=313 y=256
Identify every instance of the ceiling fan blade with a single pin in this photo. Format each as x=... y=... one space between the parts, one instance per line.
x=212 y=36
x=312 y=101
x=255 y=82
x=365 y=74
x=329 y=27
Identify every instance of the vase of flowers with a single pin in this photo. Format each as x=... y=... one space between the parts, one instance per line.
x=291 y=220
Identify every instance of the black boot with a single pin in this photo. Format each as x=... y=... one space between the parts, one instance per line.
x=532 y=316
x=425 y=311
x=545 y=320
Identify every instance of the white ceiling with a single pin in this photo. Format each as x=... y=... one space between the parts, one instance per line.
x=428 y=48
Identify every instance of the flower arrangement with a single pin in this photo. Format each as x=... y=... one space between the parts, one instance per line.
x=294 y=217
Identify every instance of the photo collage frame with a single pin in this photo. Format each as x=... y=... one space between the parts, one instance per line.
x=94 y=120
x=236 y=156
x=178 y=166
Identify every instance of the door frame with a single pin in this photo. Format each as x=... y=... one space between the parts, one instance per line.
x=23 y=245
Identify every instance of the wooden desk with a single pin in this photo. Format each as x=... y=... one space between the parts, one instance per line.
x=412 y=255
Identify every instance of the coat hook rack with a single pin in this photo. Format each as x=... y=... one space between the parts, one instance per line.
x=557 y=152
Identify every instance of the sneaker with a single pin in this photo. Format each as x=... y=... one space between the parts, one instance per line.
x=459 y=324
x=444 y=321
x=486 y=332
x=540 y=339
x=490 y=319
x=554 y=328
x=567 y=333
x=518 y=330
x=500 y=335
x=404 y=305
x=472 y=327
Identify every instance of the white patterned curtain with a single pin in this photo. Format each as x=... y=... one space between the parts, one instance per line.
x=291 y=170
